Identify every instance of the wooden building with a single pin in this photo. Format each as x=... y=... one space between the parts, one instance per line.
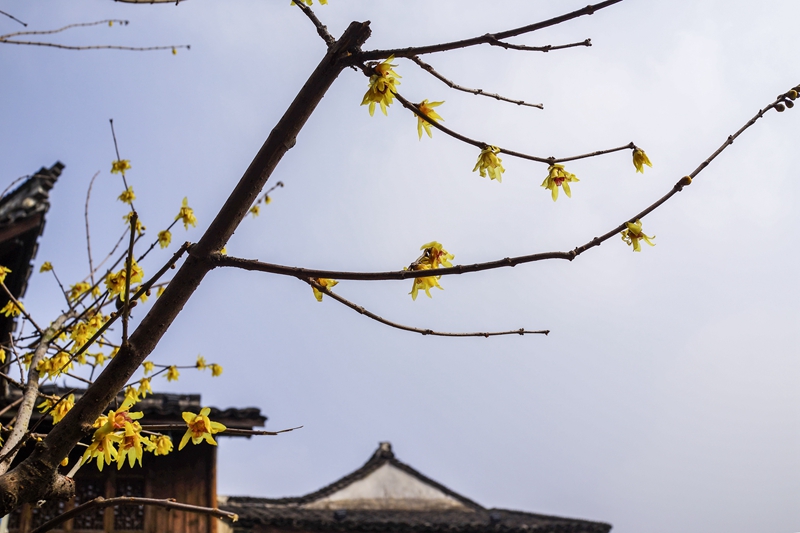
x=386 y=495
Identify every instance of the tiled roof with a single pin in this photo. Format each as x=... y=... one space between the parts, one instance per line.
x=303 y=513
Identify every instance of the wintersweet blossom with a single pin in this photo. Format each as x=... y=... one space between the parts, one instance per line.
x=144 y=387
x=132 y=445
x=327 y=283
x=200 y=428
x=120 y=166
x=57 y=409
x=382 y=86
x=633 y=234
x=46 y=267
x=558 y=177
x=216 y=370
x=433 y=256
x=148 y=366
x=489 y=163
x=12 y=309
x=172 y=373
x=164 y=238
x=127 y=196
x=4 y=271
x=163 y=444
x=201 y=363
x=640 y=159
x=186 y=214
x=426 y=108
x=139 y=227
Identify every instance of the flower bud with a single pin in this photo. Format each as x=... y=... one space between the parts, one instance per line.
x=792 y=94
x=780 y=108
x=789 y=103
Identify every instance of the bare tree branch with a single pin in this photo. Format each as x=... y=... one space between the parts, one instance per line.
x=483 y=39
x=228 y=431
x=481 y=144
x=373 y=316
x=12 y=17
x=304 y=273
x=457 y=87
x=86 y=220
x=102 y=503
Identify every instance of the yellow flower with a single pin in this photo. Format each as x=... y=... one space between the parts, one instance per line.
x=186 y=214
x=12 y=309
x=79 y=288
x=640 y=159
x=3 y=272
x=267 y=199
x=163 y=444
x=255 y=210
x=131 y=445
x=99 y=358
x=311 y=2
x=327 y=283
x=139 y=227
x=120 y=166
x=160 y=291
x=489 y=163
x=201 y=363
x=216 y=370
x=2 y=356
x=224 y=250
x=102 y=446
x=382 y=86
x=426 y=108
x=46 y=267
x=144 y=387
x=558 y=177
x=174 y=51
x=200 y=428
x=433 y=257
x=634 y=234
x=172 y=373
x=164 y=238
x=148 y=367
x=131 y=394
x=127 y=196
x=115 y=282
x=60 y=410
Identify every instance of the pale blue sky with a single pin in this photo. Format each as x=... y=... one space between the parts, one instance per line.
x=666 y=397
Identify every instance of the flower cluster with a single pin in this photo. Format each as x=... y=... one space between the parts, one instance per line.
x=633 y=234
x=382 y=86
x=433 y=257
x=115 y=281
x=120 y=166
x=118 y=437
x=489 y=163
x=558 y=177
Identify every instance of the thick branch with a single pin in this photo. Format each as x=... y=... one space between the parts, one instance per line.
x=165 y=309
x=102 y=503
x=483 y=39
x=373 y=316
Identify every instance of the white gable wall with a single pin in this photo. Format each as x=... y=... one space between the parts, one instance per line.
x=388 y=487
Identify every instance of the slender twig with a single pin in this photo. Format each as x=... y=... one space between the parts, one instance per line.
x=12 y=17
x=481 y=144
x=373 y=316
x=113 y=251
x=102 y=503
x=64 y=28
x=98 y=47
x=126 y=303
x=457 y=87
x=10 y=406
x=73 y=376
x=483 y=39
x=116 y=149
x=228 y=431
x=546 y=48
x=322 y=30
x=303 y=273
x=86 y=220
x=61 y=286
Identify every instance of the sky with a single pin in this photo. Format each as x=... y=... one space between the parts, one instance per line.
x=665 y=397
